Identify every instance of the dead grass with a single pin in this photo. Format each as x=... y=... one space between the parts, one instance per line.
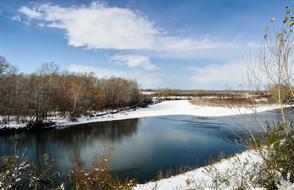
x=226 y=101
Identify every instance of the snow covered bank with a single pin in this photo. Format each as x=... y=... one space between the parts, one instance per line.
x=203 y=178
x=226 y=174
x=175 y=107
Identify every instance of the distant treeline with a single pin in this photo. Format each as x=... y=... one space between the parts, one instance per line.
x=49 y=91
x=272 y=94
x=203 y=93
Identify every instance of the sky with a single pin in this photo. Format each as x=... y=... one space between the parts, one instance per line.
x=187 y=44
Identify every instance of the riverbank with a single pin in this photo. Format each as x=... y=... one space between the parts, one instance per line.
x=173 y=107
x=204 y=177
x=226 y=174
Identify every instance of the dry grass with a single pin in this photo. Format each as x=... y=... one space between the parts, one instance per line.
x=226 y=101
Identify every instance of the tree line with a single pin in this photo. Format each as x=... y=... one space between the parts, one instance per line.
x=49 y=92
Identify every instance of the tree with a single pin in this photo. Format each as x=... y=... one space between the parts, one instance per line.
x=5 y=67
x=48 y=92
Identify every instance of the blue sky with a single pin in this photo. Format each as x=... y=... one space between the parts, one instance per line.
x=187 y=44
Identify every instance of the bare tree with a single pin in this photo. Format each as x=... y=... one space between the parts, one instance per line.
x=273 y=67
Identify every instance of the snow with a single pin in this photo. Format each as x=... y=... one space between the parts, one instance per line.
x=13 y=125
x=232 y=171
x=202 y=178
x=147 y=92
x=172 y=107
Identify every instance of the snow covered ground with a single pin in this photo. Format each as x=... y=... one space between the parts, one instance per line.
x=203 y=178
x=174 y=107
x=229 y=172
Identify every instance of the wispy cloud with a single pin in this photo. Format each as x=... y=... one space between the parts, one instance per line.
x=228 y=75
x=134 y=61
x=32 y=13
x=16 y=18
x=99 y=26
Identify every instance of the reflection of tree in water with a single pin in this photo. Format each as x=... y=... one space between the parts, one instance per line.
x=113 y=131
x=69 y=140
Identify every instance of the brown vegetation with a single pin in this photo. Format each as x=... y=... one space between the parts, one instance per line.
x=19 y=173
x=50 y=92
x=218 y=98
x=221 y=101
x=282 y=92
x=99 y=177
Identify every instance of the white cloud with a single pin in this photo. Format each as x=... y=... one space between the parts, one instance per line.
x=145 y=80
x=98 y=26
x=228 y=75
x=134 y=61
x=32 y=13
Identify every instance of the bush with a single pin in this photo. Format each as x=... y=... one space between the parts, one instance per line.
x=278 y=157
x=282 y=92
x=18 y=173
x=99 y=177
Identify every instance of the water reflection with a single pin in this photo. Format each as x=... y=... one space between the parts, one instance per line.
x=68 y=145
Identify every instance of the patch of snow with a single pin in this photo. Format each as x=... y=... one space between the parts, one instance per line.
x=147 y=92
x=13 y=125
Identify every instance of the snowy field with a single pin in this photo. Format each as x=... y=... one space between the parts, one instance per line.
x=174 y=107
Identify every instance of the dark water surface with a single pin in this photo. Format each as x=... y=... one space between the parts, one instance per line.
x=142 y=147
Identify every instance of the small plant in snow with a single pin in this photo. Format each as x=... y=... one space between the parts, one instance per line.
x=18 y=173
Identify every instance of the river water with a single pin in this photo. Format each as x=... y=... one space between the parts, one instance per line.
x=141 y=147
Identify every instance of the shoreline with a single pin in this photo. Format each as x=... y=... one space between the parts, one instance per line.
x=203 y=177
x=164 y=108
x=235 y=169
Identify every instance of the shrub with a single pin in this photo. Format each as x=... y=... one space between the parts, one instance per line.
x=99 y=177
x=278 y=157
x=282 y=92
x=18 y=173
